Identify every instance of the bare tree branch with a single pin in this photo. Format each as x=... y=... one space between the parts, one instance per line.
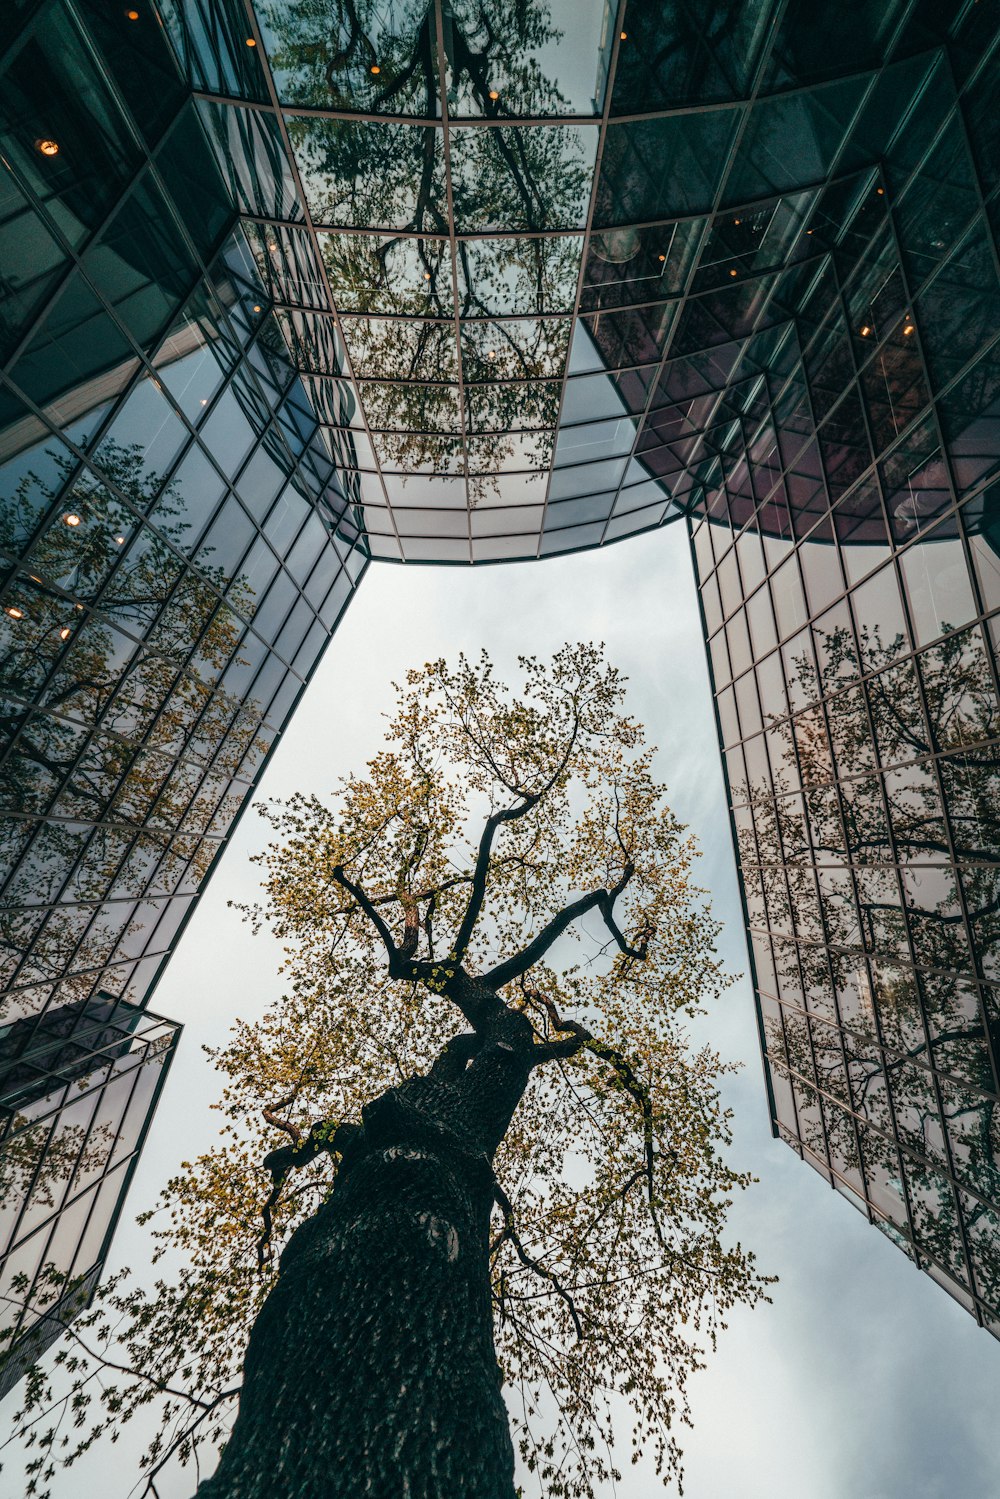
x=600 y=900
x=509 y=1234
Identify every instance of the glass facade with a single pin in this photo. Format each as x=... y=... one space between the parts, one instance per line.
x=78 y=1087
x=846 y=542
x=290 y=287
x=177 y=542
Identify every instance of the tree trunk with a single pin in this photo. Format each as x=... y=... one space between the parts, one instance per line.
x=371 y=1369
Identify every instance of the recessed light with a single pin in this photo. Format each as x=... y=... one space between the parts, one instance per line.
x=132 y=15
x=251 y=41
x=119 y=541
x=661 y=257
x=494 y=93
x=72 y=519
x=256 y=307
x=66 y=632
x=880 y=191
x=13 y=611
x=376 y=69
x=908 y=328
x=47 y=147
x=624 y=36
x=427 y=275
x=865 y=330
x=737 y=221
x=733 y=272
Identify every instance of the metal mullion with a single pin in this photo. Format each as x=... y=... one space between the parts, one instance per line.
x=963 y=907
x=76 y=253
x=935 y=396
x=932 y=409
x=680 y=111
x=893 y=851
x=75 y=258
x=918 y=651
x=418 y=317
x=735 y=841
x=384 y=232
x=813 y=867
x=453 y=250
x=796 y=936
x=377 y=117
x=47 y=1226
x=746 y=108
x=307 y=223
x=126 y=1169
x=581 y=274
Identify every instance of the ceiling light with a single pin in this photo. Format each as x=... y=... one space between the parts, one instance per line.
x=66 y=632
x=47 y=147
x=494 y=93
x=661 y=257
x=736 y=221
x=908 y=328
x=624 y=36
x=491 y=353
x=251 y=41
x=880 y=191
x=256 y=307
x=132 y=15
x=375 y=68
x=809 y=231
x=13 y=611
x=865 y=330
x=119 y=541
x=733 y=272
x=72 y=519
x=427 y=275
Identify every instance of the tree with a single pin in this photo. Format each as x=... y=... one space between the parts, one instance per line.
x=499 y=1168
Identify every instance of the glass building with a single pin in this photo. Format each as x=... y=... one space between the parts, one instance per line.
x=289 y=287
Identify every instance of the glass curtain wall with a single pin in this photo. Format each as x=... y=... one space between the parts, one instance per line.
x=845 y=540
x=176 y=545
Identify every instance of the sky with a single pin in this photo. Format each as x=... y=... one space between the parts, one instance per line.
x=862 y=1380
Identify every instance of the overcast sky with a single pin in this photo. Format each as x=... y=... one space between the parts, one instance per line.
x=863 y=1380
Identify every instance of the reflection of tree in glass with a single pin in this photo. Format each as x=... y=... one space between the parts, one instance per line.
x=596 y=1247
x=389 y=175
x=911 y=1047
x=52 y=1154
x=138 y=739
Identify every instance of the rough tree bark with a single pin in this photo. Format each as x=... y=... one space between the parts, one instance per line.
x=371 y=1369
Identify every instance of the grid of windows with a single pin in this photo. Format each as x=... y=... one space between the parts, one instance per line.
x=492 y=241
x=177 y=543
x=846 y=544
x=76 y=1093
x=297 y=285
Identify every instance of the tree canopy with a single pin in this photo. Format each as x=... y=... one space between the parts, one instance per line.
x=493 y=939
